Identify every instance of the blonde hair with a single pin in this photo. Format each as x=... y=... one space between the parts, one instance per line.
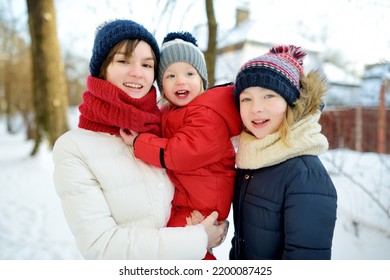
x=312 y=92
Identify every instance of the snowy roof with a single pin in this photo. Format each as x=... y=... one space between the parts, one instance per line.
x=377 y=71
x=338 y=75
x=256 y=32
x=260 y=32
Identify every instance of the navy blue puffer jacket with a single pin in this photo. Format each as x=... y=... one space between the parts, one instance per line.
x=285 y=211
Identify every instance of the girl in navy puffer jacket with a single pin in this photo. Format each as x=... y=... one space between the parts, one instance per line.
x=284 y=201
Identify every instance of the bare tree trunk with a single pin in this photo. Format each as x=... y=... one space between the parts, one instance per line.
x=8 y=96
x=381 y=145
x=7 y=47
x=359 y=128
x=49 y=86
x=211 y=52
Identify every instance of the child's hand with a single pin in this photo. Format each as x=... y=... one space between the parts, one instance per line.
x=128 y=136
x=195 y=218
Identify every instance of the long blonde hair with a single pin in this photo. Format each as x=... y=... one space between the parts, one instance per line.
x=312 y=92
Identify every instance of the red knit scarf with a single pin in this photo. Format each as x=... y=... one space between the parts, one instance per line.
x=106 y=108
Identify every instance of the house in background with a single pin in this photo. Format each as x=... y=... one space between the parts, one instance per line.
x=375 y=76
x=250 y=38
x=344 y=89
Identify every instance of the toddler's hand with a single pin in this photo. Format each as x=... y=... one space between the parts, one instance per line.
x=195 y=218
x=128 y=136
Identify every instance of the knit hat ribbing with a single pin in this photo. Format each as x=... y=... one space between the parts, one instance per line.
x=279 y=70
x=111 y=33
x=181 y=47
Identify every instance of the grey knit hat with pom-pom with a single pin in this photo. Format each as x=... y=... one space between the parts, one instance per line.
x=181 y=47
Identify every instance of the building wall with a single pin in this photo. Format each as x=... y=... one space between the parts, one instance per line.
x=355 y=128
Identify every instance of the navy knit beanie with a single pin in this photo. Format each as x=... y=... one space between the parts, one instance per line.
x=279 y=70
x=111 y=33
x=181 y=47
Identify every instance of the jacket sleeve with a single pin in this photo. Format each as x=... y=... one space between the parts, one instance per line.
x=198 y=143
x=309 y=216
x=97 y=234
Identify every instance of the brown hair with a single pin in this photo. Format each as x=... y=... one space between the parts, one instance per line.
x=130 y=45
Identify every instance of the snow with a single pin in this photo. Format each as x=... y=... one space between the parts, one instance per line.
x=32 y=225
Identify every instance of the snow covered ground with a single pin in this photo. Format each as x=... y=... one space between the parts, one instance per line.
x=32 y=226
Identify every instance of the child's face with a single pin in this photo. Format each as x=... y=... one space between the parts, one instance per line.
x=135 y=74
x=181 y=83
x=262 y=111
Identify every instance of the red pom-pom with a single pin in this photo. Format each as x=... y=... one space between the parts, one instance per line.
x=295 y=52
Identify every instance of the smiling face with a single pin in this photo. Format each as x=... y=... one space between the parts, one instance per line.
x=134 y=74
x=181 y=83
x=262 y=111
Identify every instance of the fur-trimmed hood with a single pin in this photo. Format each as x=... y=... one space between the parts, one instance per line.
x=313 y=89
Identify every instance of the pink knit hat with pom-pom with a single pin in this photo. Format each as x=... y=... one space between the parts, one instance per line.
x=279 y=70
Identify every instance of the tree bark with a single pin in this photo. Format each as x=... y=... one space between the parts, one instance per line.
x=49 y=87
x=381 y=132
x=211 y=53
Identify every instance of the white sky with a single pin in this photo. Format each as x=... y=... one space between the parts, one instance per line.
x=360 y=29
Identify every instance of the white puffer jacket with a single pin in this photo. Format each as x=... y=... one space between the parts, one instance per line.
x=116 y=205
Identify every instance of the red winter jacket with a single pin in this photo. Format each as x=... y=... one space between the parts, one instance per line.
x=197 y=151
